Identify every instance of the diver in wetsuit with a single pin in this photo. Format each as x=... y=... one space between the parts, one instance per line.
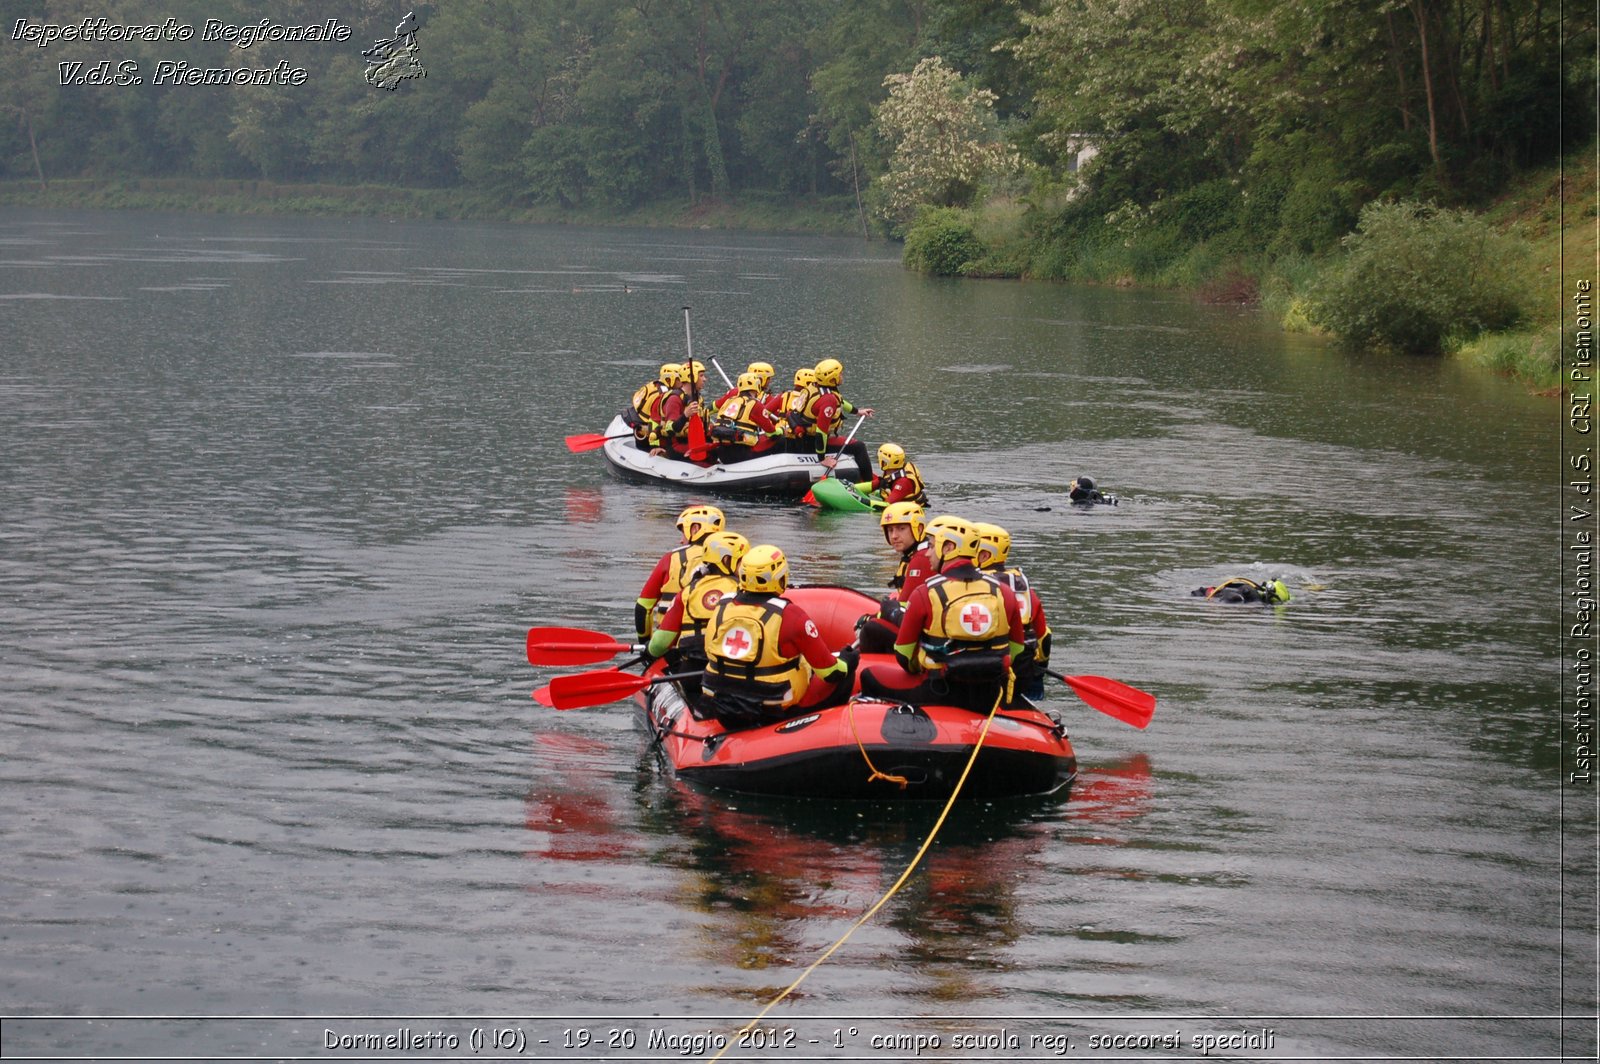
x=1082 y=492
x=1238 y=589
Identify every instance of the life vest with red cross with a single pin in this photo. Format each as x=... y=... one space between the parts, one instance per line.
x=743 y=654
x=965 y=615
x=700 y=601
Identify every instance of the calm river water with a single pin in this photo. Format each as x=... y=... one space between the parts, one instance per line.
x=281 y=498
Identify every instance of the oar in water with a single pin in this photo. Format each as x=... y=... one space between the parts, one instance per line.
x=589 y=441
x=599 y=688
x=1112 y=697
x=573 y=646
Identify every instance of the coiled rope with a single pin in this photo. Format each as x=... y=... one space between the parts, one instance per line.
x=944 y=813
x=850 y=715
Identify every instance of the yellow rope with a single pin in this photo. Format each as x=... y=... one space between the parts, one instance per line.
x=1232 y=580
x=881 y=902
x=850 y=715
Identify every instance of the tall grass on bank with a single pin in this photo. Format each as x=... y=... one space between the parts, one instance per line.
x=1419 y=279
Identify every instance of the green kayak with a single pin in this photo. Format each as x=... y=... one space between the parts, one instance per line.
x=836 y=494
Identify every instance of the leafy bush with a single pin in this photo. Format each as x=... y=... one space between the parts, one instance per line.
x=944 y=242
x=1418 y=278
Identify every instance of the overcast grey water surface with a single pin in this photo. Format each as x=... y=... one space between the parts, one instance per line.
x=281 y=498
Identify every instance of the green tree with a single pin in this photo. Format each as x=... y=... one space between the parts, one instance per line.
x=944 y=140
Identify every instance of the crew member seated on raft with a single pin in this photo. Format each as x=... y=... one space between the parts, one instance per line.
x=1028 y=666
x=762 y=370
x=1239 y=589
x=681 y=406
x=791 y=413
x=824 y=414
x=744 y=428
x=667 y=578
x=680 y=636
x=1082 y=492
x=643 y=415
x=765 y=659
x=897 y=480
x=788 y=410
x=902 y=524
x=960 y=632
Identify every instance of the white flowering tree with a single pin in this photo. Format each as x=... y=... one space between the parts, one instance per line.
x=943 y=137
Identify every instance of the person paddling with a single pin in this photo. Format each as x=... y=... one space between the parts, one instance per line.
x=695 y=523
x=825 y=413
x=765 y=658
x=897 y=479
x=680 y=635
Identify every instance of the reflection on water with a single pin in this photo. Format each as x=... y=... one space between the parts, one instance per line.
x=766 y=876
x=282 y=498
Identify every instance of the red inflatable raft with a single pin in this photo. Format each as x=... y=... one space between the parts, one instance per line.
x=865 y=748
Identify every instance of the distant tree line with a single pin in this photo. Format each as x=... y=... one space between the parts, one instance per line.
x=1264 y=125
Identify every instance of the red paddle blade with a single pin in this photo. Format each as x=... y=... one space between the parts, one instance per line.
x=571 y=646
x=697 y=439
x=810 y=498
x=594 y=688
x=574 y=653
x=585 y=441
x=542 y=696
x=1114 y=698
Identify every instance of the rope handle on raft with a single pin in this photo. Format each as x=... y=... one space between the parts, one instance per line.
x=850 y=715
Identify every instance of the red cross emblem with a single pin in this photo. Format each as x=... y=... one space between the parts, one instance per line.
x=736 y=644
x=976 y=619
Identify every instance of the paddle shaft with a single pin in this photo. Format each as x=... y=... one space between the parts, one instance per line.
x=846 y=443
x=688 y=343
x=599 y=688
x=590 y=440
x=697 y=447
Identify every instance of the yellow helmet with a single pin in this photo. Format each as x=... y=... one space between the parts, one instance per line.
x=765 y=570
x=763 y=370
x=830 y=371
x=672 y=374
x=903 y=513
x=995 y=540
x=698 y=522
x=750 y=382
x=724 y=550
x=694 y=370
x=805 y=377
x=959 y=533
x=891 y=456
